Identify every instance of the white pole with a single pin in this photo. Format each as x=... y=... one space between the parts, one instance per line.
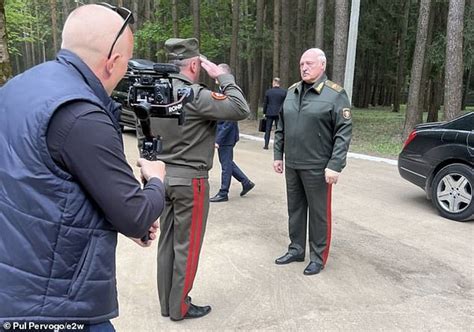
x=351 y=48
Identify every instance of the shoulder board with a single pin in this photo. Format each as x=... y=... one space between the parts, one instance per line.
x=333 y=85
x=293 y=86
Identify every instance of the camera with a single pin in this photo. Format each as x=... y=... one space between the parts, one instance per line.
x=152 y=94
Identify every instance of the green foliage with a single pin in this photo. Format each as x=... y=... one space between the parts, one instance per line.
x=26 y=22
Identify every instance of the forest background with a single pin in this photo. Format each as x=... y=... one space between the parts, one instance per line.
x=413 y=57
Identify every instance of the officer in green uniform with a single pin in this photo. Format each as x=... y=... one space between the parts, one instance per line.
x=313 y=133
x=188 y=152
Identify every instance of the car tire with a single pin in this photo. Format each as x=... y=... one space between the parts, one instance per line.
x=452 y=192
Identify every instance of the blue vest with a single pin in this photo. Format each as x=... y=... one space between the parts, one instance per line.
x=57 y=253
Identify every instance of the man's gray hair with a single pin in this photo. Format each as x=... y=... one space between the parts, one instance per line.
x=320 y=54
x=180 y=63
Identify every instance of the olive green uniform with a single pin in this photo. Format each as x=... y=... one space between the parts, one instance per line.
x=313 y=133
x=188 y=152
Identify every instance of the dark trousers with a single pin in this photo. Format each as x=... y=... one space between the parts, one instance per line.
x=182 y=227
x=307 y=190
x=268 y=128
x=229 y=169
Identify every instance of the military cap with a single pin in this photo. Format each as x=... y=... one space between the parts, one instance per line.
x=179 y=49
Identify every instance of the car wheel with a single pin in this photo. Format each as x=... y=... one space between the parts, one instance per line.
x=452 y=192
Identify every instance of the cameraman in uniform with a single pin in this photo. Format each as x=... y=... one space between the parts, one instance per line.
x=188 y=152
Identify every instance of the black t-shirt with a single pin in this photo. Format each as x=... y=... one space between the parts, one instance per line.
x=83 y=142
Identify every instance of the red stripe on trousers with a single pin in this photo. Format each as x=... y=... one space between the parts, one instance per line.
x=329 y=222
x=187 y=279
x=189 y=262
x=199 y=230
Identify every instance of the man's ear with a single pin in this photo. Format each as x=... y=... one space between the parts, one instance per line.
x=194 y=66
x=110 y=64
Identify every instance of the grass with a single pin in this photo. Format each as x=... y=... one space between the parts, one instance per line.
x=378 y=131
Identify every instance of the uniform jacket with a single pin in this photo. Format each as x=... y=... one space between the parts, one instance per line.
x=315 y=128
x=227 y=133
x=57 y=253
x=188 y=150
x=273 y=100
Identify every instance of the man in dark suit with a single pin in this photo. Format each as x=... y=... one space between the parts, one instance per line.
x=274 y=98
x=226 y=138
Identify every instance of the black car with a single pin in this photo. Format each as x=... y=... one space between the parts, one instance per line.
x=439 y=157
x=120 y=94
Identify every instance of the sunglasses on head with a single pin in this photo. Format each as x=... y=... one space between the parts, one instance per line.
x=126 y=14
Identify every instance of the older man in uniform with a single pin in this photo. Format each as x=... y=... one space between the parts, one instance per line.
x=188 y=152
x=314 y=133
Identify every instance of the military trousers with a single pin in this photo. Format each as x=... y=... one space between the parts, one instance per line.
x=307 y=191
x=182 y=228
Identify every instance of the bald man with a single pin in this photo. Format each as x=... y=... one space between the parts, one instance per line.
x=313 y=134
x=67 y=189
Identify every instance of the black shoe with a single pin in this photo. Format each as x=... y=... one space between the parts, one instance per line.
x=219 y=198
x=247 y=188
x=195 y=311
x=265 y=147
x=289 y=258
x=313 y=268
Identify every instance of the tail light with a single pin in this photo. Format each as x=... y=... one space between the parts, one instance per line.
x=410 y=138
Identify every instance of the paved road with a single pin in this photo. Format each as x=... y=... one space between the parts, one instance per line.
x=394 y=263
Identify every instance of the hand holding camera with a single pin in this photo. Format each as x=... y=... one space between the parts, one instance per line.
x=151 y=169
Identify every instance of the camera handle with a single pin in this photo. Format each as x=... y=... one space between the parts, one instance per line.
x=152 y=145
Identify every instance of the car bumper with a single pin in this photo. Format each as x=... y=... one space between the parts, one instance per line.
x=413 y=170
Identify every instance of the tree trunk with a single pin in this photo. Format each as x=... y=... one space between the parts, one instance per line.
x=466 y=88
x=423 y=102
x=413 y=115
x=257 y=70
x=276 y=38
x=147 y=13
x=400 y=85
x=320 y=14
x=235 y=36
x=299 y=28
x=65 y=8
x=174 y=17
x=436 y=98
x=285 y=40
x=5 y=66
x=54 y=24
x=341 y=28
x=137 y=24
x=197 y=20
x=454 y=62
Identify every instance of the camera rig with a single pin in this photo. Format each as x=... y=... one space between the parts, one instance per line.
x=152 y=94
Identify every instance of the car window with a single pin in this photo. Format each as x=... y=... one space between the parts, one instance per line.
x=465 y=122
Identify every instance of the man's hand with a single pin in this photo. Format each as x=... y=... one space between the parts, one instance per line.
x=211 y=68
x=331 y=176
x=151 y=235
x=278 y=166
x=151 y=169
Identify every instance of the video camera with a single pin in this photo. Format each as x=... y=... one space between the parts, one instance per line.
x=152 y=95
